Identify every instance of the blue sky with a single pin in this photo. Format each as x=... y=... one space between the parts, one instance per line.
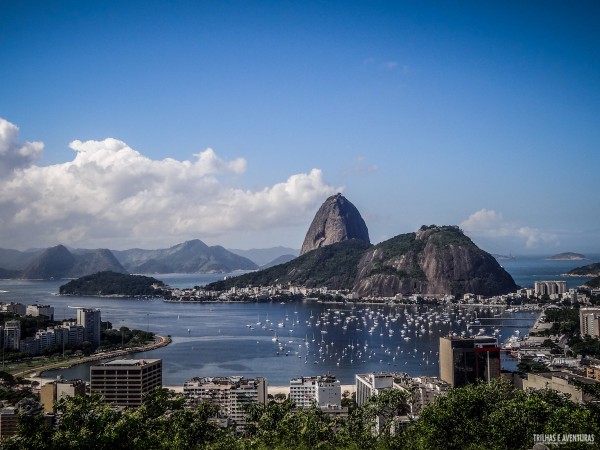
x=481 y=114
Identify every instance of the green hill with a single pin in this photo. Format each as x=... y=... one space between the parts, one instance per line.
x=112 y=283
x=591 y=270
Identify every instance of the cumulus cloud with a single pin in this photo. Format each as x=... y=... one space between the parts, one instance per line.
x=14 y=155
x=112 y=195
x=491 y=224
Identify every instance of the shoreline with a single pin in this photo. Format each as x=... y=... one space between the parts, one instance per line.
x=37 y=372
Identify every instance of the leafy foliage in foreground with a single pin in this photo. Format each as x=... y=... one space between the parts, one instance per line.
x=475 y=417
x=112 y=283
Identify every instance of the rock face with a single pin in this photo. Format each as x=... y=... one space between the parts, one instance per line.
x=336 y=220
x=434 y=260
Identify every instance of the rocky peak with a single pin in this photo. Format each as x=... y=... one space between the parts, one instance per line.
x=336 y=220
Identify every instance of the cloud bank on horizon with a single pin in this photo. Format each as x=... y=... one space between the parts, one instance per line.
x=111 y=195
x=490 y=224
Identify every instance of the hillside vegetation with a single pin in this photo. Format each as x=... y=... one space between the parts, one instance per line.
x=112 y=283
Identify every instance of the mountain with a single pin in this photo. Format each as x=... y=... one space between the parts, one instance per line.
x=336 y=220
x=262 y=256
x=59 y=262
x=591 y=270
x=16 y=260
x=594 y=283
x=567 y=256
x=189 y=257
x=279 y=260
x=434 y=260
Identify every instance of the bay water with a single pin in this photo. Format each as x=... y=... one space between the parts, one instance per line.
x=283 y=341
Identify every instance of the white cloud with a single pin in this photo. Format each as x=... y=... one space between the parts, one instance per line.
x=111 y=195
x=491 y=224
x=12 y=154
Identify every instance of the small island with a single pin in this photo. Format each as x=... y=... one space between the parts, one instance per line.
x=113 y=284
x=567 y=256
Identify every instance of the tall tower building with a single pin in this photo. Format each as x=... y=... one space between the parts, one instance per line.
x=89 y=319
x=465 y=360
x=12 y=334
x=589 y=321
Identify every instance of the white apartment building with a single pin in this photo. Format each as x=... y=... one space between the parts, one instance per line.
x=325 y=391
x=423 y=390
x=371 y=384
x=40 y=310
x=550 y=287
x=589 y=321
x=229 y=393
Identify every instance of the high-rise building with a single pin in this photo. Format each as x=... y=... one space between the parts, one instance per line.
x=50 y=393
x=322 y=390
x=371 y=384
x=9 y=421
x=465 y=360
x=550 y=287
x=89 y=319
x=12 y=334
x=589 y=321
x=229 y=393
x=124 y=382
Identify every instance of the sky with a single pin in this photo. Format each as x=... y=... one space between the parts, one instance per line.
x=148 y=123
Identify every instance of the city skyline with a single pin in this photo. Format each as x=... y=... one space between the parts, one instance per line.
x=145 y=125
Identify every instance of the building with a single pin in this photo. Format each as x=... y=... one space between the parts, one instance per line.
x=465 y=360
x=124 y=382
x=371 y=384
x=322 y=391
x=50 y=393
x=40 y=310
x=559 y=381
x=550 y=288
x=89 y=319
x=423 y=390
x=15 y=308
x=9 y=421
x=589 y=321
x=12 y=334
x=229 y=393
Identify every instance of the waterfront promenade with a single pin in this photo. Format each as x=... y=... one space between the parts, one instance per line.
x=35 y=371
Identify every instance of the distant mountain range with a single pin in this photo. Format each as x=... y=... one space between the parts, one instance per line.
x=266 y=256
x=59 y=262
x=188 y=257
